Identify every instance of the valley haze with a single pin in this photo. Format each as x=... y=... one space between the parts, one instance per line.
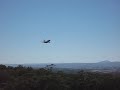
x=100 y=66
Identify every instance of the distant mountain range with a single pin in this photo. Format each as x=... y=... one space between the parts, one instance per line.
x=100 y=65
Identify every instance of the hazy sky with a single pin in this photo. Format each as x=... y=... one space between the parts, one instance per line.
x=80 y=30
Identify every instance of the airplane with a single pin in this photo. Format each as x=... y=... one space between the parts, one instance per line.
x=46 y=41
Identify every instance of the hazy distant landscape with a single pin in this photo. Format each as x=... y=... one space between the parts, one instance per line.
x=103 y=66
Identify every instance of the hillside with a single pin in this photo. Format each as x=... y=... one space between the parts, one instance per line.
x=27 y=78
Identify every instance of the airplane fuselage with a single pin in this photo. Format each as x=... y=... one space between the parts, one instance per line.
x=48 y=41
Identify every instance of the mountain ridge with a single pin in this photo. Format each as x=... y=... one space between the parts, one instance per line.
x=99 y=65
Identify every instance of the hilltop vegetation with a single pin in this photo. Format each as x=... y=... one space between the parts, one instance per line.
x=27 y=78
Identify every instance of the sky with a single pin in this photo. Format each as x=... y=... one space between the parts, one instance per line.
x=81 y=31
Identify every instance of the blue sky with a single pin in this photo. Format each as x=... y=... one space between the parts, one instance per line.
x=80 y=31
